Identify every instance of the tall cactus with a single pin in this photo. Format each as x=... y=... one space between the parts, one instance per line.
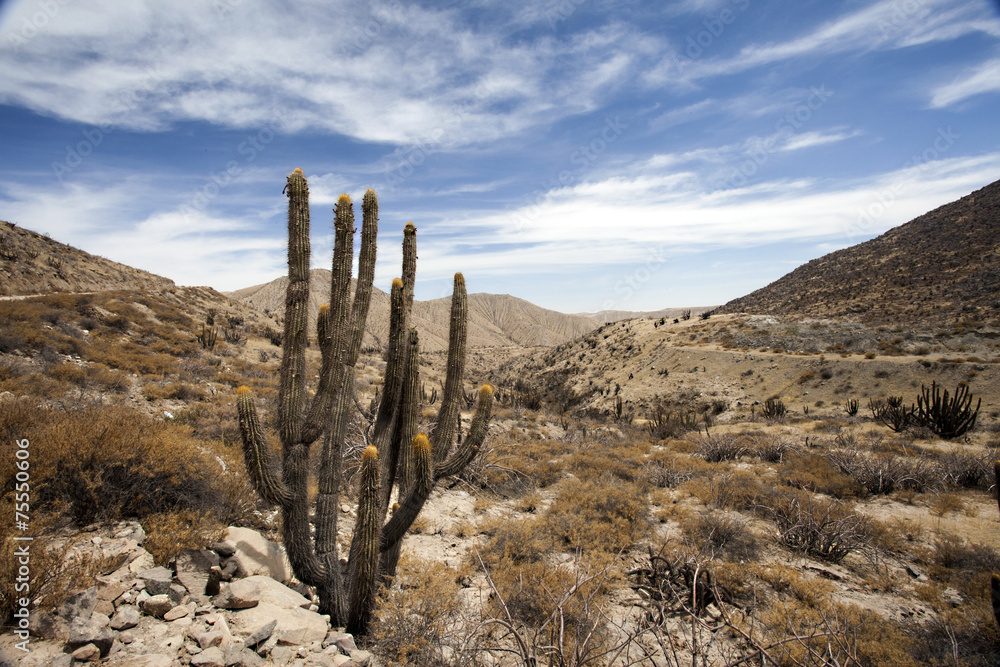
x=400 y=463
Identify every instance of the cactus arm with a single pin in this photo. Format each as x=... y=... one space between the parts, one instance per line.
x=416 y=496
x=363 y=568
x=366 y=276
x=444 y=431
x=477 y=433
x=334 y=337
x=291 y=386
x=401 y=428
x=256 y=454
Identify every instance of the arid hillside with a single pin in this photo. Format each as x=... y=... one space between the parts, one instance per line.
x=34 y=264
x=495 y=320
x=936 y=269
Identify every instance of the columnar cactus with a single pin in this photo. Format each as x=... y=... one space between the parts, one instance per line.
x=400 y=463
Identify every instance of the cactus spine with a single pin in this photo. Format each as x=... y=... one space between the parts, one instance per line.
x=400 y=463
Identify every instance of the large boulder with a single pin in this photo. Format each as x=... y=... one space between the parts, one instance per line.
x=293 y=626
x=257 y=555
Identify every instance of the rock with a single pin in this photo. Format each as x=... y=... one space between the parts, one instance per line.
x=157 y=580
x=209 y=639
x=141 y=561
x=338 y=660
x=241 y=594
x=152 y=660
x=361 y=658
x=294 y=626
x=104 y=607
x=344 y=641
x=277 y=593
x=257 y=555
x=92 y=631
x=224 y=549
x=244 y=658
x=177 y=593
x=126 y=636
x=178 y=612
x=211 y=657
x=193 y=567
x=65 y=660
x=87 y=653
x=79 y=606
x=126 y=617
x=45 y=625
x=109 y=591
x=282 y=655
x=157 y=605
x=260 y=634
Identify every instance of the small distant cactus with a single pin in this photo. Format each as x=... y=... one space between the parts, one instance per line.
x=851 y=407
x=773 y=408
x=400 y=463
x=947 y=416
x=207 y=337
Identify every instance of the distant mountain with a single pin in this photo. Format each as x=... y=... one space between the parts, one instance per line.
x=34 y=264
x=936 y=269
x=494 y=320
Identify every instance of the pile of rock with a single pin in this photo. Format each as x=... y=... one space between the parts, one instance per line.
x=217 y=607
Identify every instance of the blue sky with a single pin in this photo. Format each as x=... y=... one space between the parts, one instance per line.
x=581 y=154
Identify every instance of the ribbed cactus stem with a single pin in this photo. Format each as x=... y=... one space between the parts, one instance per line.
x=477 y=433
x=291 y=387
x=363 y=568
x=416 y=496
x=444 y=432
x=257 y=456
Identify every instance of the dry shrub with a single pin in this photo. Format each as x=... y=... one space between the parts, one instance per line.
x=107 y=462
x=170 y=533
x=885 y=473
x=720 y=534
x=418 y=619
x=623 y=462
x=770 y=447
x=739 y=490
x=812 y=472
x=827 y=530
x=968 y=470
x=603 y=514
x=833 y=634
x=180 y=391
x=723 y=447
x=668 y=469
x=56 y=571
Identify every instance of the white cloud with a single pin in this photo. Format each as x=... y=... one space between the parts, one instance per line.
x=887 y=24
x=984 y=78
x=418 y=74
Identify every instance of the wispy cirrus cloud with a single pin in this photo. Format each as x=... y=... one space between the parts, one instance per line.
x=159 y=63
x=984 y=78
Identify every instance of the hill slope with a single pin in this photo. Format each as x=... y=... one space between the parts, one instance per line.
x=494 y=320
x=34 y=264
x=936 y=268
